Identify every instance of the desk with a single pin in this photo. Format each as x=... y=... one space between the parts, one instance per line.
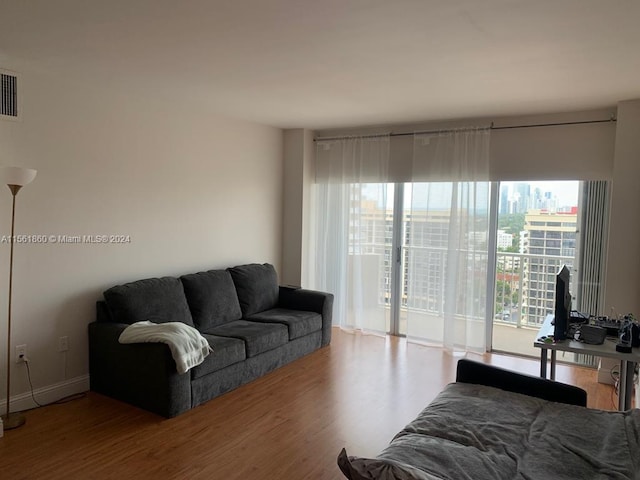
x=606 y=349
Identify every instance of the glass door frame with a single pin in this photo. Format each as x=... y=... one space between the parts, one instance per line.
x=396 y=265
x=494 y=205
x=397 y=249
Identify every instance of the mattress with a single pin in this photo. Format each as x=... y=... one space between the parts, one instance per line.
x=478 y=432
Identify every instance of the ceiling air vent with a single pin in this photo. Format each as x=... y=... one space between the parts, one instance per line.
x=8 y=95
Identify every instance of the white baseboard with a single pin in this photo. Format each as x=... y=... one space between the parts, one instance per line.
x=48 y=394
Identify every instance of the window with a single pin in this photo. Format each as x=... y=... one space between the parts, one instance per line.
x=551 y=227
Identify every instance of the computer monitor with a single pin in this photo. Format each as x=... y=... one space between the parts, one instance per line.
x=562 y=312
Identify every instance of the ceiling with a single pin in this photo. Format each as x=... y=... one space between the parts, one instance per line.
x=340 y=63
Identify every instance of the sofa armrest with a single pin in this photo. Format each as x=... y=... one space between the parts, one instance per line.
x=309 y=301
x=469 y=371
x=142 y=374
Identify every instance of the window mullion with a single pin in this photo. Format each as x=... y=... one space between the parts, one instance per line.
x=396 y=264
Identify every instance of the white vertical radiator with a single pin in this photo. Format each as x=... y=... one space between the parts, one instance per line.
x=592 y=230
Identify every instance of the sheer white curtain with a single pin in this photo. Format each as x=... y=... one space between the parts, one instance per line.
x=446 y=240
x=351 y=221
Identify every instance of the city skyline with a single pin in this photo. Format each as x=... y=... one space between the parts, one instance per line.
x=564 y=191
x=437 y=196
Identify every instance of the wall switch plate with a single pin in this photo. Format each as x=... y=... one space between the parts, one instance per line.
x=63 y=344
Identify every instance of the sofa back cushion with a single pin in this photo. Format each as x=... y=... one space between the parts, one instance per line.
x=212 y=298
x=158 y=300
x=257 y=287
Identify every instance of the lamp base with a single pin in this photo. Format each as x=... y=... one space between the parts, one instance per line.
x=13 y=420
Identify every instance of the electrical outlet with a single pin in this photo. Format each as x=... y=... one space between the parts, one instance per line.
x=21 y=352
x=63 y=344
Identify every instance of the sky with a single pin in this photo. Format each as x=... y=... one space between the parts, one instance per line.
x=566 y=191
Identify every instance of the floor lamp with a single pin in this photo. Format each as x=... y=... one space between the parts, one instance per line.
x=15 y=178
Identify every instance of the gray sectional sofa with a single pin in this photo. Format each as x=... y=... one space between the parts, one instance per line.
x=252 y=324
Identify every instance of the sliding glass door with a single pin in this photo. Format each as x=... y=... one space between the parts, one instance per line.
x=425 y=260
x=419 y=262
x=537 y=235
x=356 y=229
x=541 y=227
x=419 y=251
x=370 y=259
x=406 y=258
x=445 y=263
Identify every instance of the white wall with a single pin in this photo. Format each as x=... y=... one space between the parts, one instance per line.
x=292 y=208
x=192 y=190
x=299 y=152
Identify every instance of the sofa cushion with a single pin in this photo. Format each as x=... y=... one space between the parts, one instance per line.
x=258 y=337
x=257 y=287
x=299 y=323
x=157 y=300
x=212 y=298
x=226 y=351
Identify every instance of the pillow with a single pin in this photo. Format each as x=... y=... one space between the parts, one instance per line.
x=212 y=298
x=257 y=287
x=158 y=300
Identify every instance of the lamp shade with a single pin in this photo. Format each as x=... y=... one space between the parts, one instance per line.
x=17 y=175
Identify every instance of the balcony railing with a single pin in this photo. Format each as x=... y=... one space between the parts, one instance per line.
x=525 y=283
x=525 y=287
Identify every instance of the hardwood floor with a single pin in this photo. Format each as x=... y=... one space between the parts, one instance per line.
x=291 y=424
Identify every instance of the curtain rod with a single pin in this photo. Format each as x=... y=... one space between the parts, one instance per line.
x=612 y=119
x=491 y=127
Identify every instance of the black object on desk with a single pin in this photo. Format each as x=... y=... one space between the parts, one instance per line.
x=625 y=339
x=612 y=325
x=591 y=334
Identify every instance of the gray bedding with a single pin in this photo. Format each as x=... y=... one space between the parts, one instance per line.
x=483 y=433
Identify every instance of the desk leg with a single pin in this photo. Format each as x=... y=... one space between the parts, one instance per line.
x=553 y=364
x=622 y=385
x=543 y=363
x=628 y=384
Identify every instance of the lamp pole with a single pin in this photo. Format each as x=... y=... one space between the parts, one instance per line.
x=15 y=178
x=16 y=419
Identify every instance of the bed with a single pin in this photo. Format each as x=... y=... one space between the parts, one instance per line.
x=494 y=424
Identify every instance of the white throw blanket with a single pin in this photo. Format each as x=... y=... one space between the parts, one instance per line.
x=187 y=346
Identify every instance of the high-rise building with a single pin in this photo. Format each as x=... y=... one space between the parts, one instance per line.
x=551 y=242
x=524 y=194
x=504 y=199
x=504 y=239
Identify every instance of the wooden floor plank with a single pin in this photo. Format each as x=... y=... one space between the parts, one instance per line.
x=291 y=424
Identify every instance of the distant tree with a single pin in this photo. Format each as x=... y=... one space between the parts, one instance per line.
x=512 y=223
